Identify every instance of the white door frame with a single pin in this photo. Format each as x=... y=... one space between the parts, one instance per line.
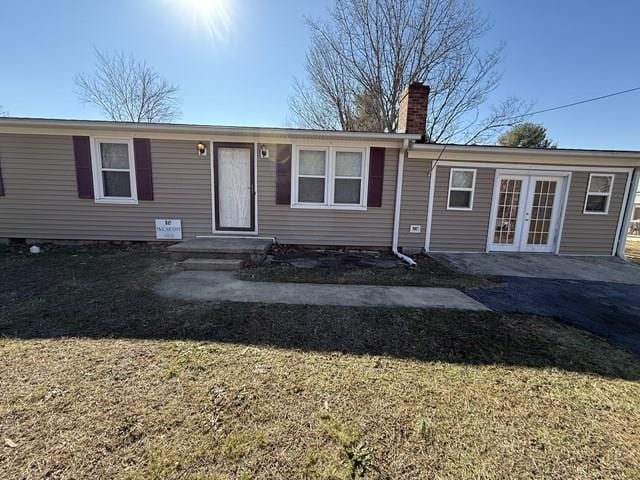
x=528 y=178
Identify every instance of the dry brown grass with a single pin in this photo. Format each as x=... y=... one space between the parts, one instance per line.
x=632 y=251
x=428 y=273
x=123 y=384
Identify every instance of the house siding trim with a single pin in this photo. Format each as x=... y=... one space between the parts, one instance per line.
x=461 y=230
x=44 y=204
x=326 y=227
x=593 y=234
x=535 y=167
x=569 y=242
x=414 y=206
x=43 y=200
x=623 y=207
x=628 y=214
x=432 y=188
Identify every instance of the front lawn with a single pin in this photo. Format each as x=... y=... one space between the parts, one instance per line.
x=101 y=378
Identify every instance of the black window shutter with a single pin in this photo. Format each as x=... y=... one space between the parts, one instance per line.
x=376 y=177
x=144 y=173
x=283 y=174
x=84 y=175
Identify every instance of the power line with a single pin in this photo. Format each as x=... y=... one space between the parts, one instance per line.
x=580 y=102
x=576 y=103
x=573 y=104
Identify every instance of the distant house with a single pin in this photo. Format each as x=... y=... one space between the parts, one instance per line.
x=98 y=180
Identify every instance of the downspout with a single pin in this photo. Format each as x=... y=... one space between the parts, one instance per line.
x=396 y=217
x=628 y=212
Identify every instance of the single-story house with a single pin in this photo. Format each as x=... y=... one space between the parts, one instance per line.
x=103 y=180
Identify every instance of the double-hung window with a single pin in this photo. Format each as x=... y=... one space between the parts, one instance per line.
x=462 y=182
x=348 y=173
x=114 y=171
x=330 y=177
x=598 y=194
x=312 y=175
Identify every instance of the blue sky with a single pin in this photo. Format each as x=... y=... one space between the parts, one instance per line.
x=556 y=53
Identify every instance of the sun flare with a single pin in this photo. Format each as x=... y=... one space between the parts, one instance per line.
x=213 y=17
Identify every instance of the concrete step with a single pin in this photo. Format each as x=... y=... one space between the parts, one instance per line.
x=211 y=264
x=251 y=250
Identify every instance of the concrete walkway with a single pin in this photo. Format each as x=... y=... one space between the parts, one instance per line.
x=224 y=286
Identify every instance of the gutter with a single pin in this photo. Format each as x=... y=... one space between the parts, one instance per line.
x=396 y=217
x=541 y=152
x=13 y=123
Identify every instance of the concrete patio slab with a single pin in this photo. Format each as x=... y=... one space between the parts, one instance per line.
x=224 y=286
x=532 y=265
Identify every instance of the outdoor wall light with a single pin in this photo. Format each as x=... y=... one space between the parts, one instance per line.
x=202 y=149
x=264 y=152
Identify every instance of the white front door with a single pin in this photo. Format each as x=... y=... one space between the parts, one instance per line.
x=525 y=214
x=233 y=167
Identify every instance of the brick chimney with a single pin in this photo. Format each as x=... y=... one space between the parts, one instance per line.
x=412 y=116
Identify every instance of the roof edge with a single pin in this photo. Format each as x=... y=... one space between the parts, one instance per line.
x=27 y=122
x=498 y=149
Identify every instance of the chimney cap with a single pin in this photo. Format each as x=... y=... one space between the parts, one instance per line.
x=418 y=85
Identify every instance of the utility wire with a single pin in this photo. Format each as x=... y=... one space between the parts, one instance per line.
x=576 y=103
x=580 y=102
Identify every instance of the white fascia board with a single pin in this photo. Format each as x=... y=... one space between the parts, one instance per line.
x=551 y=156
x=160 y=130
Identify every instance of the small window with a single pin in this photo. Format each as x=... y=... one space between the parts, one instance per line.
x=462 y=182
x=598 y=194
x=348 y=178
x=312 y=175
x=114 y=175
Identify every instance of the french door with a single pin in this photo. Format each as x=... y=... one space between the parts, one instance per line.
x=526 y=211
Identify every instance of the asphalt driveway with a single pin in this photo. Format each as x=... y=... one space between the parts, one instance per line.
x=598 y=294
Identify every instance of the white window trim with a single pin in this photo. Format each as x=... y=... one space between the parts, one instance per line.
x=462 y=189
x=96 y=163
x=599 y=194
x=330 y=177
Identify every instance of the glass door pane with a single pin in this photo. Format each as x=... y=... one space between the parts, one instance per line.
x=541 y=214
x=504 y=232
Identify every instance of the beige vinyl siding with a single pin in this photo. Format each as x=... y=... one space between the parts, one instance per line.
x=461 y=230
x=372 y=227
x=42 y=201
x=415 y=198
x=591 y=234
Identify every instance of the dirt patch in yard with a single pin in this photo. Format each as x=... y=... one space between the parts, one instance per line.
x=100 y=378
x=359 y=268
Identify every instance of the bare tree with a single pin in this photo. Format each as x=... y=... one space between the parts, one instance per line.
x=3 y=112
x=360 y=60
x=126 y=89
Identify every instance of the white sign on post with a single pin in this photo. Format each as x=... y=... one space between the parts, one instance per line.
x=167 y=229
